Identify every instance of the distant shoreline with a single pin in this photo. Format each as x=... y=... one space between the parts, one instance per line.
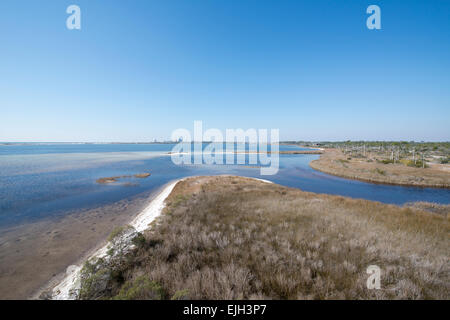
x=334 y=163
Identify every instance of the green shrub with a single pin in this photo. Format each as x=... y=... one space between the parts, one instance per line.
x=139 y=240
x=142 y=288
x=94 y=279
x=181 y=295
x=417 y=164
x=179 y=199
x=118 y=231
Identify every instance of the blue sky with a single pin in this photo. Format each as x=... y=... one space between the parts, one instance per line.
x=139 y=69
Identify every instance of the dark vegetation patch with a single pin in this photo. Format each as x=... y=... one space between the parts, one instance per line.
x=109 y=180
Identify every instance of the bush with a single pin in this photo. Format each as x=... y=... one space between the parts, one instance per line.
x=181 y=295
x=139 y=240
x=118 y=231
x=142 y=288
x=417 y=164
x=94 y=279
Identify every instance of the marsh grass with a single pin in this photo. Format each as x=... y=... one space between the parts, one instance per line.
x=401 y=172
x=237 y=238
x=430 y=207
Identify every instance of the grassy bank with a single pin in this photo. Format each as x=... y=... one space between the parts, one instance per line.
x=376 y=169
x=238 y=238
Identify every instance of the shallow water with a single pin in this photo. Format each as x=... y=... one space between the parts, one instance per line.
x=41 y=181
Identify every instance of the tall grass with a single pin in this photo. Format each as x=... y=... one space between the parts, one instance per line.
x=237 y=238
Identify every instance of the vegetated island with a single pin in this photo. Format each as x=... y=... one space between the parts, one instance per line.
x=228 y=237
x=109 y=180
x=388 y=167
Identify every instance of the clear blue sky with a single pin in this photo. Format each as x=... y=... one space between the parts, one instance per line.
x=139 y=69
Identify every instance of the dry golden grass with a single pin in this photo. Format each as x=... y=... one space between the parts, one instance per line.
x=336 y=163
x=238 y=238
x=431 y=207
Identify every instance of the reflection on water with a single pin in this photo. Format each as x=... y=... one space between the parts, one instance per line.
x=38 y=181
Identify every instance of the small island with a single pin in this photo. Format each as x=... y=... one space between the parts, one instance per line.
x=109 y=180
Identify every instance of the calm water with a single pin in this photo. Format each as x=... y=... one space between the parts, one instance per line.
x=39 y=181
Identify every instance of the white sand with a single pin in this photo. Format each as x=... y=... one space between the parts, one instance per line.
x=263 y=180
x=141 y=222
x=62 y=291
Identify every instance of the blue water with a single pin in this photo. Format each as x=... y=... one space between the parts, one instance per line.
x=39 y=181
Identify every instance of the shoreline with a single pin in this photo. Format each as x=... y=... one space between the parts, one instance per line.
x=36 y=251
x=367 y=180
x=327 y=164
x=60 y=286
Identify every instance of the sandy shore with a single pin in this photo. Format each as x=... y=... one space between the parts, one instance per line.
x=34 y=252
x=62 y=290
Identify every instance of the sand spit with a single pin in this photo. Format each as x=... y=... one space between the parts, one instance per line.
x=65 y=289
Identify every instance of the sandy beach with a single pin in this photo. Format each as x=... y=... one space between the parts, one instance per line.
x=33 y=253
x=62 y=290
